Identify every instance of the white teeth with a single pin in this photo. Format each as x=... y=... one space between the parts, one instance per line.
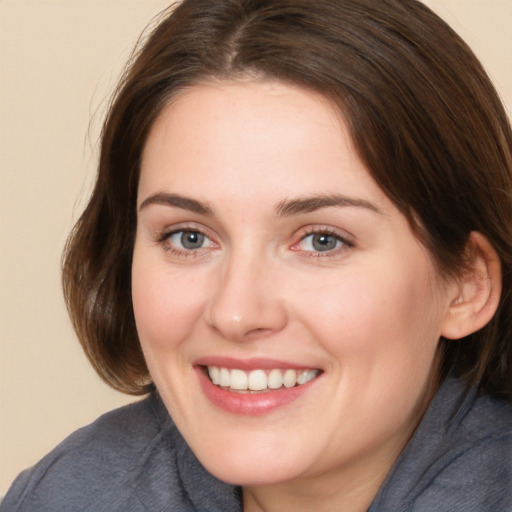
x=275 y=379
x=225 y=377
x=238 y=380
x=214 y=373
x=259 y=380
x=306 y=376
x=289 y=378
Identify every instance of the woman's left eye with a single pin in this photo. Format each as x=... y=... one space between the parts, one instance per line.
x=321 y=242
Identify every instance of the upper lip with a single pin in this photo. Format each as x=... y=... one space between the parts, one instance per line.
x=254 y=363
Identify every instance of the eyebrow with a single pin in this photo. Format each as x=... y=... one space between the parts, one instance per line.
x=185 y=203
x=310 y=204
x=285 y=208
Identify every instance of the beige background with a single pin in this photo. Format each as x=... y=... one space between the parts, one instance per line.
x=58 y=61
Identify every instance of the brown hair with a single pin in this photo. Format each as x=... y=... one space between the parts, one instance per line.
x=423 y=116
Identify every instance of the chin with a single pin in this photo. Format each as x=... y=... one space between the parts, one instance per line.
x=253 y=473
x=245 y=459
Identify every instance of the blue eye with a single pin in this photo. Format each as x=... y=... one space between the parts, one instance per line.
x=320 y=242
x=189 y=240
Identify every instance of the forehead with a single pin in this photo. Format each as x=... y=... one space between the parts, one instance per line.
x=249 y=138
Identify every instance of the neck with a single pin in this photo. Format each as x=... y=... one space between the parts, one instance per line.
x=288 y=500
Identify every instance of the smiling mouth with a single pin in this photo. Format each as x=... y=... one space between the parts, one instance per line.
x=259 y=381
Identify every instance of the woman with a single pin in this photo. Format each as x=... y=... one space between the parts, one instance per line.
x=299 y=246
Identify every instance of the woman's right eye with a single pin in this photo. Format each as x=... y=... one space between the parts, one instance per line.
x=186 y=241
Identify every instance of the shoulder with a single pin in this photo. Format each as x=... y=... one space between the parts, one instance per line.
x=459 y=460
x=473 y=471
x=92 y=462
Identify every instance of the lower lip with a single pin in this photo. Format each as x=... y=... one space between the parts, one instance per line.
x=247 y=404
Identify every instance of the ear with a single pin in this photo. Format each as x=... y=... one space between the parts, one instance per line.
x=476 y=294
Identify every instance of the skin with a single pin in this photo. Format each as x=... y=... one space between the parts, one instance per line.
x=368 y=313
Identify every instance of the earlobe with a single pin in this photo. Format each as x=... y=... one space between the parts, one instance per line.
x=478 y=291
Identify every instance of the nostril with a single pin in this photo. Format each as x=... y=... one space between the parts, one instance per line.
x=259 y=332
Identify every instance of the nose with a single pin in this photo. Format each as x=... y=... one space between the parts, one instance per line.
x=246 y=302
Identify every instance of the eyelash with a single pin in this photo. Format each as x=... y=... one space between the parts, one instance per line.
x=165 y=240
x=343 y=243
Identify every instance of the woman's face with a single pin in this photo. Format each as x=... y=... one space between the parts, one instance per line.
x=267 y=257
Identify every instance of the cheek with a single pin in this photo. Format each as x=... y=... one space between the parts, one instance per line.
x=381 y=334
x=166 y=305
x=380 y=316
